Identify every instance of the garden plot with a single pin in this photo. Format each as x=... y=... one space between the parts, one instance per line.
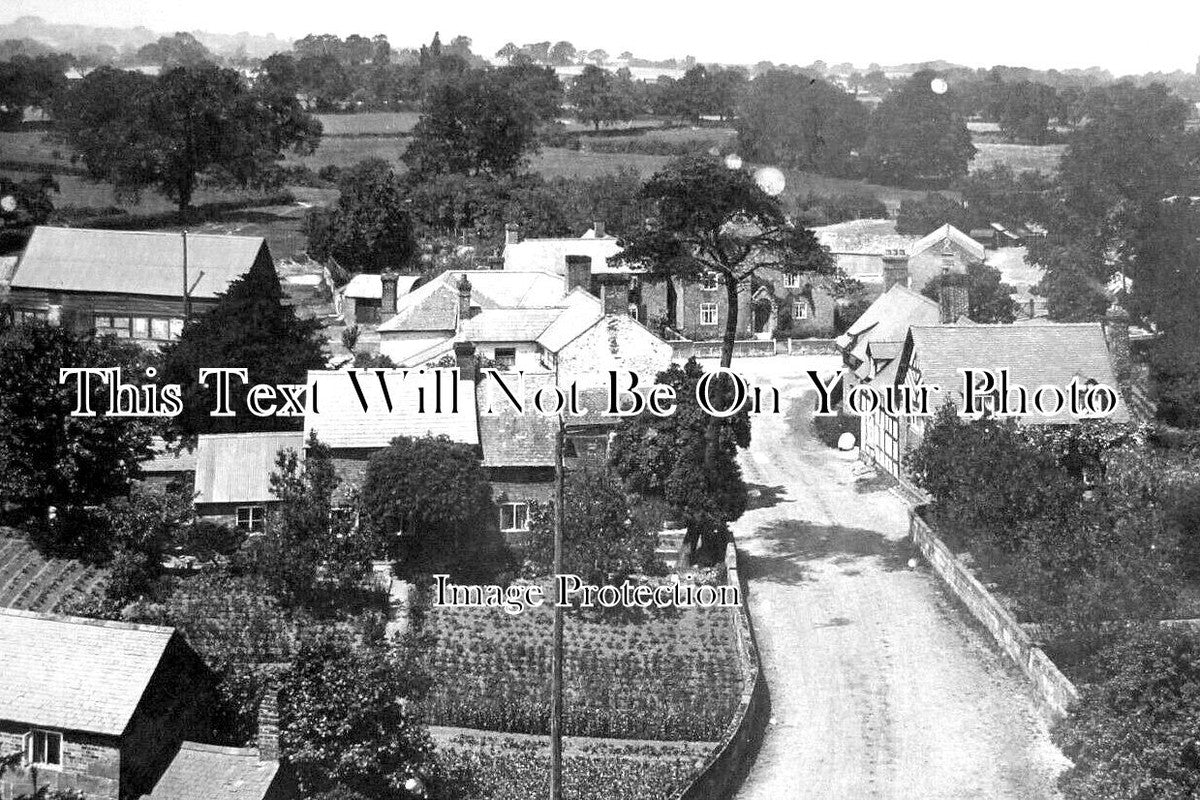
x=32 y=582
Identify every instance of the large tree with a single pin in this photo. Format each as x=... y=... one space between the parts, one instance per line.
x=29 y=81
x=370 y=229
x=191 y=124
x=917 y=137
x=250 y=327
x=710 y=219
x=180 y=50
x=599 y=98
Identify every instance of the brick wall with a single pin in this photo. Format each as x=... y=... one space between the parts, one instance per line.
x=690 y=296
x=615 y=343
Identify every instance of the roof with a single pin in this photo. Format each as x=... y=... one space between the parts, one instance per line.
x=550 y=255
x=237 y=467
x=74 y=673
x=164 y=459
x=369 y=286
x=583 y=311
x=863 y=237
x=508 y=324
x=133 y=262
x=210 y=772
x=510 y=439
x=1034 y=355
x=434 y=306
x=953 y=234
x=887 y=320
x=338 y=418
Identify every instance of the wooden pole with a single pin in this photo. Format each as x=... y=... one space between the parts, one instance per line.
x=556 y=669
x=187 y=300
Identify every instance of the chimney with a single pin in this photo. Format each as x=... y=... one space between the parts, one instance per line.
x=614 y=293
x=598 y=227
x=464 y=359
x=578 y=273
x=952 y=296
x=388 y=304
x=1116 y=335
x=464 y=297
x=895 y=268
x=512 y=233
x=268 y=724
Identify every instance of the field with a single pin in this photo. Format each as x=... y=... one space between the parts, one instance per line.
x=31 y=582
x=509 y=765
x=33 y=146
x=1019 y=157
x=370 y=124
x=667 y=676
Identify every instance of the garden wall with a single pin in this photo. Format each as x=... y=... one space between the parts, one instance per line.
x=685 y=349
x=726 y=767
x=1056 y=693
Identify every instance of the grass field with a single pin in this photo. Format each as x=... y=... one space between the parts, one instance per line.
x=369 y=124
x=33 y=146
x=1018 y=157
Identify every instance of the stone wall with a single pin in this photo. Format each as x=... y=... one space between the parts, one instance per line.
x=1056 y=693
x=683 y=350
x=90 y=764
x=726 y=767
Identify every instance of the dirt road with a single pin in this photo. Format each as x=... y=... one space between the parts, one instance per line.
x=879 y=689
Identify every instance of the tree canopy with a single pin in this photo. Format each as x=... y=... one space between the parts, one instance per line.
x=370 y=229
x=989 y=298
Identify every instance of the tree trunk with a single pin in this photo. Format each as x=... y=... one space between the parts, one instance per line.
x=731 y=320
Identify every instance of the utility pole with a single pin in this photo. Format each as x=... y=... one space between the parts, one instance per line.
x=187 y=300
x=556 y=668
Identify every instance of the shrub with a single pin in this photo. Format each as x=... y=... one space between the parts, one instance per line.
x=829 y=429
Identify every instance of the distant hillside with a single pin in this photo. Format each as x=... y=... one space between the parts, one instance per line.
x=79 y=39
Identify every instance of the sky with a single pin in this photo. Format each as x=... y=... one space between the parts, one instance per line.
x=1126 y=37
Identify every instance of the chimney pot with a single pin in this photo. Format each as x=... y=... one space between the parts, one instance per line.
x=578 y=273
x=895 y=269
x=953 y=297
x=614 y=293
x=512 y=233
x=464 y=359
x=464 y=297
x=389 y=299
x=598 y=227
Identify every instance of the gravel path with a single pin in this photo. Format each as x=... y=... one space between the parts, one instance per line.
x=879 y=687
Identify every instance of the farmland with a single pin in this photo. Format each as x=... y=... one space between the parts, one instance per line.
x=667 y=675
x=33 y=582
x=1018 y=157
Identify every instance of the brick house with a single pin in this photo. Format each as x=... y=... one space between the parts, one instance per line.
x=128 y=284
x=791 y=304
x=233 y=476
x=95 y=706
x=862 y=250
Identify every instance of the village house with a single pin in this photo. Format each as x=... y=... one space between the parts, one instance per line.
x=1035 y=355
x=862 y=249
x=233 y=476
x=95 y=706
x=128 y=284
x=368 y=299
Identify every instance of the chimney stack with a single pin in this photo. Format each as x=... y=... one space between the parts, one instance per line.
x=578 y=273
x=1116 y=335
x=268 y=724
x=614 y=293
x=464 y=359
x=895 y=269
x=464 y=298
x=598 y=227
x=952 y=296
x=387 y=304
x=512 y=233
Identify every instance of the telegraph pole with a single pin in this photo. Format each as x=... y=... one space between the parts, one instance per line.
x=187 y=300
x=556 y=669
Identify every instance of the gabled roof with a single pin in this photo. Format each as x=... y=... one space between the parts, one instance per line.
x=1034 y=355
x=956 y=236
x=237 y=467
x=550 y=255
x=434 y=306
x=510 y=439
x=73 y=673
x=887 y=320
x=211 y=772
x=583 y=310
x=508 y=324
x=340 y=421
x=133 y=262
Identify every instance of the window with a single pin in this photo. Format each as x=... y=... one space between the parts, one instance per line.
x=708 y=281
x=33 y=316
x=160 y=329
x=514 y=516
x=791 y=280
x=141 y=328
x=800 y=310
x=708 y=313
x=43 y=749
x=505 y=357
x=633 y=311
x=251 y=518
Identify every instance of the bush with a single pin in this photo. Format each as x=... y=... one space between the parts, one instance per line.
x=829 y=429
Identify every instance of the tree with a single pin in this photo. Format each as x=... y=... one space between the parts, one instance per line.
x=432 y=488
x=507 y=52
x=990 y=300
x=179 y=50
x=310 y=547
x=29 y=81
x=370 y=229
x=712 y=219
x=347 y=722
x=919 y=216
x=600 y=539
x=598 y=98
x=689 y=459
x=23 y=204
x=562 y=53
x=472 y=125
x=191 y=123
x=1000 y=195
x=537 y=86
x=48 y=456
x=250 y=327
x=917 y=137
x=1024 y=110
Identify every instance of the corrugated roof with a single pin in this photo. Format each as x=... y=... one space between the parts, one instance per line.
x=887 y=320
x=340 y=421
x=210 y=772
x=237 y=467
x=509 y=439
x=1034 y=355
x=133 y=262
x=73 y=673
x=952 y=233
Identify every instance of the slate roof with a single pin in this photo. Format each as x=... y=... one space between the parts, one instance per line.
x=73 y=673
x=550 y=255
x=510 y=439
x=434 y=306
x=237 y=467
x=887 y=320
x=340 y=422
x=583 y=311
x=508 y=324
x=1035 y=355
x=210 y=772
x=133 y=262
x=952 y=233
x=863 y=237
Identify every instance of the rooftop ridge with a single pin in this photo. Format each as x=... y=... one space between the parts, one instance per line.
x=113 y=232
x=96 y=623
